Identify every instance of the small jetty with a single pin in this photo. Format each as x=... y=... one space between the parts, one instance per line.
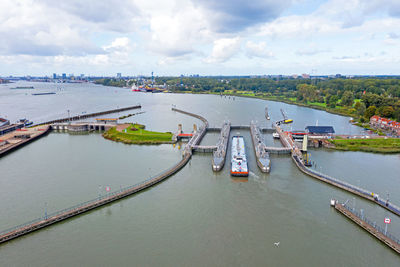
x=219 y=155
x=378 y=232
x=262 y=155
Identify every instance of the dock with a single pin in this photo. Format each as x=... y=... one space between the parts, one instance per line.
x=262 y=155
x=378 y=232
x=219 y=155
x=50 y=219
x=20 y=137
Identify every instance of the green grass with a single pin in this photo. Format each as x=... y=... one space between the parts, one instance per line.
x=140 y=136
x=377 y=145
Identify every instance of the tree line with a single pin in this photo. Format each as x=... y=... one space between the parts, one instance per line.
x=360 y=97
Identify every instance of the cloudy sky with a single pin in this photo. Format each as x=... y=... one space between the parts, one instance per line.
x=206 y=37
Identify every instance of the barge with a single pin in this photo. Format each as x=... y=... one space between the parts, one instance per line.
x=239 y=165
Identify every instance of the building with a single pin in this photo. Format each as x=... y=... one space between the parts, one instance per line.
x=320 y=130
x=385 y=124
x=54 y=76
x=119 y=75
x=107 y=121
x=64 y=76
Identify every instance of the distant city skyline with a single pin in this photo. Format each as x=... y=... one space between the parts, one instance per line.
x=137 y=37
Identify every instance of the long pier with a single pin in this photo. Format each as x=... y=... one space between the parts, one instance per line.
x=81 y=208
x=84 y=116
x=262 y=155
x=297 y=157
x=359 y=219
x=219 y=155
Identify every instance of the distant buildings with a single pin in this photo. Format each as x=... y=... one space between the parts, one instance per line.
x=385 y=124
x=64 y=76
x=119 y=75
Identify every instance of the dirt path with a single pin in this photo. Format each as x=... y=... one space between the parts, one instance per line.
x=121 y=127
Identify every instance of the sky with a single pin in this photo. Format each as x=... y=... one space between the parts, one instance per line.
x=205 y=37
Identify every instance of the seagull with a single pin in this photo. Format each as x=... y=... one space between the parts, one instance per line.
x=277 y=244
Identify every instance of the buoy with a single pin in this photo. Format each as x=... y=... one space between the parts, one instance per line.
x=174 y=145
x=179 y=147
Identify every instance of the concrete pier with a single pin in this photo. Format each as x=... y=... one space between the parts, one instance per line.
x=262 y=155
x=219 y=155
x=85 y=116
x=377 y=232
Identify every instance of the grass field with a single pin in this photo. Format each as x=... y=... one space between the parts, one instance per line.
x=378 y=145
x=139 y=136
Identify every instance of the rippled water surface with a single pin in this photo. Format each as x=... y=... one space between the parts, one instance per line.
x=196 y=217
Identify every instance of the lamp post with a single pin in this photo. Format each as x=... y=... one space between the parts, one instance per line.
x=69 y=118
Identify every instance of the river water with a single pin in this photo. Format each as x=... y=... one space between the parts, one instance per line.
x=196 y=217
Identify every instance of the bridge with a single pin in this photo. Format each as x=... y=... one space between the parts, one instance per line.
x=278 y=150
x=205 y=149
x=240 y=127
x=81 y=126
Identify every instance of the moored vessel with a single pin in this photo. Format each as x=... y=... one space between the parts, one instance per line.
x=238 y=160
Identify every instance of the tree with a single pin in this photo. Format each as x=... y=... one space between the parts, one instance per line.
x=386 y=111
x=347 y=98
x=371 y=111
x=360 y=108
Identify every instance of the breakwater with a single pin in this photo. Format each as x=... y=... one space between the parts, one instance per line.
x=89 y=115
x=50 y=219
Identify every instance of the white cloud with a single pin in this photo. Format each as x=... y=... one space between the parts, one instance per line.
x=254 y=49
x=223 y=50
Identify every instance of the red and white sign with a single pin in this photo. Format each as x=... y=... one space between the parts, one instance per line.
x=387 y=220
x=108 y=188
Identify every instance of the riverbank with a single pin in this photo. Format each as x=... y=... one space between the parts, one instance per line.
x=376 y=145
x=339 y=110
x=136 y=134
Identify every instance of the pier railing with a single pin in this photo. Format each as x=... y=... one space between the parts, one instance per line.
x=380 y=229
x=109 y=195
